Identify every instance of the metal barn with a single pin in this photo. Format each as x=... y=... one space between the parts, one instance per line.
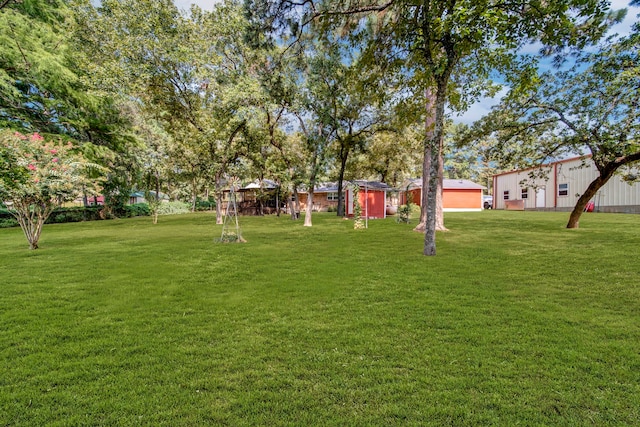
x=557 y=186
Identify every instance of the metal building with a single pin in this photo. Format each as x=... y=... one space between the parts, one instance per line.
x=557 y=186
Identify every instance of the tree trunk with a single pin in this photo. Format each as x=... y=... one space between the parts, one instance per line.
x=439 y=192
x=592 y=189
x=434 y=152
x=294 y=203
x=297 y=201
x=219 y=220
x=292 y=208
x=343 y=166
x=312 y=186
x=32 y=221
x=431 y=174
x=429 y=134
x=194 y=195
x=309 y=210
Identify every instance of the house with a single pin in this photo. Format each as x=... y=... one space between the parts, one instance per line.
x=458 y=195
x=557 y=186
x=325 y=197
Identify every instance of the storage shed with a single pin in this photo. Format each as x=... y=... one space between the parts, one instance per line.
x=557 y=186
x=459 y=195
x=372 y=196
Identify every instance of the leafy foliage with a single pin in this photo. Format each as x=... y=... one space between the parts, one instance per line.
x=172 y=208
x=36 y=176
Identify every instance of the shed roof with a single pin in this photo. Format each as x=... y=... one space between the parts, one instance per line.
x=373 y=185
x=332 y=187
x=448 y=184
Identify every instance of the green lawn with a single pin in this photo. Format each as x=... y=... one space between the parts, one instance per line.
x=516 y=321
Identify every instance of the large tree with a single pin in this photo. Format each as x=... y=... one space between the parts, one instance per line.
x=191 y=73
x=46 y=84
x=446 y=46
x=591 y=109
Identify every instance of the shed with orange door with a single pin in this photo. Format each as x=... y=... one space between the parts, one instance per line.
x=457 y=194
x=372 y=196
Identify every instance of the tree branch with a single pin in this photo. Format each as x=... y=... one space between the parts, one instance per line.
x=5 y=3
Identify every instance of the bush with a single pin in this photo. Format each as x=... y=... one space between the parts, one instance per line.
x=205 y=205
x=78 y=214
x=137 y=209
x=8 y=222
x=173 y=208
x=4 y=214
x=62 y=215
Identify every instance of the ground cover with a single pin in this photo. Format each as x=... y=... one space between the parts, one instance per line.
x=516 y=321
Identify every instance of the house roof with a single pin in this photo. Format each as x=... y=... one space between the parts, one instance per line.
x=447 y=184
x=326 y=187
x=332 y=187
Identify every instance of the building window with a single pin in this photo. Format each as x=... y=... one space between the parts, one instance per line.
x=332 y=197
x=524 y=193
x=506 y=195
x=563 y=189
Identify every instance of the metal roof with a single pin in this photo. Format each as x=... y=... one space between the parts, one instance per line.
x=448 y=184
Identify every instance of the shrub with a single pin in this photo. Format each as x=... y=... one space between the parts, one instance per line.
x=8 y=222
x=137 y=209
x=404 y=214
x=173 y=208
x=5 y=214
x=205 y=205
x=75 y=214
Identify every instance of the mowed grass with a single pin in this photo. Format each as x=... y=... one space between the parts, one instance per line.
x=516 y=321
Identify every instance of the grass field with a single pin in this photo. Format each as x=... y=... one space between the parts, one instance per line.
x=516 y=321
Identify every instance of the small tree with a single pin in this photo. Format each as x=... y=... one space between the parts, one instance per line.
x=404 y=211
x=358 y=224
x=37 y=176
